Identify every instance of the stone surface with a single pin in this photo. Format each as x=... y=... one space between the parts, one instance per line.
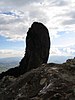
x=47 y=82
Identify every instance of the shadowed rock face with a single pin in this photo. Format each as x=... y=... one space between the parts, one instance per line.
x=37 y=47
x=37 y=50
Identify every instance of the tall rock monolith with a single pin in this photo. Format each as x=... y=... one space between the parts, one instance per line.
x=37 y=47
x=36 y=53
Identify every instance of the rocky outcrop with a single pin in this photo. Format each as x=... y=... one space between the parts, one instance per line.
x=40 y=81
x=47 y=82
x=37 y=47
x=37 y=50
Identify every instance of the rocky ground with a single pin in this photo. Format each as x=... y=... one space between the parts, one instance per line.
x=47 y=82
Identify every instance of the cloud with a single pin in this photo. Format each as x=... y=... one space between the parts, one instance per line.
x=10 y=53
x=5 y=19
x=69 y=22
x=17 y=15
x=9 y=13
x=58 y=2
x=19 y=2
x=12 y=26
x=71 y=18
x=63 y=51
x=54 y=51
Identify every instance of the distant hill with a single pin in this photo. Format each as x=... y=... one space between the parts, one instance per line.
x=9 y=62
x=6 y=63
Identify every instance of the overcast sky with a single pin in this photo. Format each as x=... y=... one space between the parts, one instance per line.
x=16 y=16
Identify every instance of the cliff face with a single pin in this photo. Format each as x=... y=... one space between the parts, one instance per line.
x=47 y=82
